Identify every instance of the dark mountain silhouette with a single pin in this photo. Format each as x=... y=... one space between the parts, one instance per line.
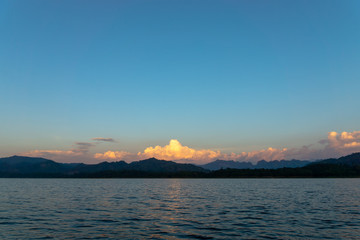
x=349 y=160
x=155 y=165
x=103 y=166
x=18 y=166
x=15 y=160
x=223 y=164
x=28 y=166
x=347 y=166
x=281 y=164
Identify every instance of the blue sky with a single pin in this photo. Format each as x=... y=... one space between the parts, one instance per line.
x=223 y=75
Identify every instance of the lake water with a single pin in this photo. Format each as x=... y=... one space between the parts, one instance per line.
x=179 y=208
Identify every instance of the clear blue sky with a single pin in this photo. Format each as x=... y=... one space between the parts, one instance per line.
x=229 y=75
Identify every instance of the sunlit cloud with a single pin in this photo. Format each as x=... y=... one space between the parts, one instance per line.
x=342 y=143
x=335 y=145
x=101 y=139
x=268 y=154
x=344 y=140
x=176 y=151
x=114 y=155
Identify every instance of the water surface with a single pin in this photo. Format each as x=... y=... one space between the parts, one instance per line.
x=180 y=208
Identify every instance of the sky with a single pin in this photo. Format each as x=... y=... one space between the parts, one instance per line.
x=190 y=81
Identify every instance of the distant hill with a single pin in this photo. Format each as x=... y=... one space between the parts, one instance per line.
x=343 y=167
x=349 y=160
x=14 y=160
x=25 y=165
x=28 y=166
x=282 y=164
x=155 y=165
x=100 y=167
x=18 y=166
x=224 y=164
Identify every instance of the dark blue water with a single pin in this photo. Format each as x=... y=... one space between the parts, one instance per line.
x=180 y=209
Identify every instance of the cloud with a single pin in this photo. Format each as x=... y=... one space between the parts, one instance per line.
x=101 y=139
x=176 y=151
x=113 y=155
x=268 y=154
x=342 y=143
x=60 y=155
x=79 y=153
x=84 y=144
x=82 y=147
x=344 y=140
x=335 y=145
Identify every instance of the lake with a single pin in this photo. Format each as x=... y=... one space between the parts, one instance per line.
x=180 y=209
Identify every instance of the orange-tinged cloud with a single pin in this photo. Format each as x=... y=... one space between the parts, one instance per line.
x=336 y=145
x=268 y=154
x=344 y=140
x=42 y=153
x=112 y=155
x=176 y=151
x=352 y=144
x=341 y=144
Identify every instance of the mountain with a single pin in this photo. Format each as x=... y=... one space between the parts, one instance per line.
x=28 y=166
x=15 y=160
x=349 y=160
x=100 y=167
x=18 y=166
x=23 y=165
x=281 y=164
x=224 y=164
x=155 y=165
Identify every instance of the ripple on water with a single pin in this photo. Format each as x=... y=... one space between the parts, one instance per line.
x=179 y=208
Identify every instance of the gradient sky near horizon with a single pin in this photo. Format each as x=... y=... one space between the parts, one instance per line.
x=216 y=77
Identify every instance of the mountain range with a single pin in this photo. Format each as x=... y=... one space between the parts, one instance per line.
x=20 y=166
x=223 y=164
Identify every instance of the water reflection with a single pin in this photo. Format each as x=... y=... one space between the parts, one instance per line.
x=180 y=208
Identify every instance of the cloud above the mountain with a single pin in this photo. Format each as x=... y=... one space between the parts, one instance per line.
x=65 y=156
x=176 y=151
x=78 y=152
x=51 y=153
x=113 y=155
x=101 y=139
x=342 y=143
x=268 y=154
x=335 y=145
x=82 y=147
